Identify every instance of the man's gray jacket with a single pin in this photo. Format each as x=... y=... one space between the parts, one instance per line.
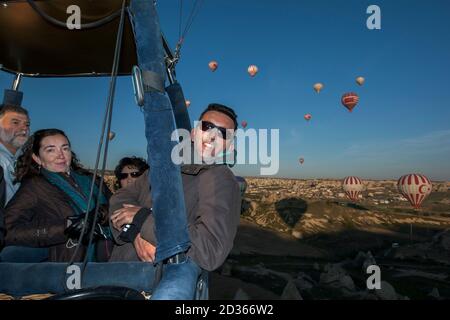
x=213 y=203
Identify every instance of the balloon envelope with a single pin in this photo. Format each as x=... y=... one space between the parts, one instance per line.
x=252 y=70
x=350 y=100
x=301 y=160
x=318 y=87
x=307 y=117
x=111 y=135
x=415 y=187
x=352 y=186
x=188 y=103
x=360 y=80
x=244 y=124
x=213 y=65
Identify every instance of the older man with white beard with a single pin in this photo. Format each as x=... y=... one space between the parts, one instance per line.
x=14 y=131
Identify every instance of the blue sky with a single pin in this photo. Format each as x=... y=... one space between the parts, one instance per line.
x=401 y=124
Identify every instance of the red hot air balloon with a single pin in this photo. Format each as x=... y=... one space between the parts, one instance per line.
x=252 y=70
x=301 y=160
x=350 y=100
x=307 y=117
x=352 y=186
x=213 y=65
x=415 y=187
x=244 y=124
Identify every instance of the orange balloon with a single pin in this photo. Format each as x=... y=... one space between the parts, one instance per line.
x=252 y=70
x=111 y=135
x=318 y=87
x=360 y=80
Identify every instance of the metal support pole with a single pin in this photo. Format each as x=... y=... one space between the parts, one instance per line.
x=17 y=81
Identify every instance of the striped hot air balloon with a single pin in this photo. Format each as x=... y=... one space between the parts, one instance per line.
x=352 y=186
x=415 y=187
x=350 y=100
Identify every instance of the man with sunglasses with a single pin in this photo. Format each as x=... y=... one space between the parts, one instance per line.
x=213 y=136
x=212 y=200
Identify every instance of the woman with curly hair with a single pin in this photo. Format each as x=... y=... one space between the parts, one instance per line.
x=49 y=209
x=128 y=170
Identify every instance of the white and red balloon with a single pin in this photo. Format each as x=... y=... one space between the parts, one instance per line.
x=252 y=70
x=213 y=65
x=353 y=186
x=415 y=187
x=350 y=100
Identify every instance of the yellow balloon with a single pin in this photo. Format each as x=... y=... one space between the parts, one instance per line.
x=318 y=87
x=360 y=80
x=111 y=135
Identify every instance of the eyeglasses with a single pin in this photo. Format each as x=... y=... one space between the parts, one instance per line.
x=134 y=174
x=206 y=125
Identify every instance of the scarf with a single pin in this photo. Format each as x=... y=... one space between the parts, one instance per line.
x=78 y=196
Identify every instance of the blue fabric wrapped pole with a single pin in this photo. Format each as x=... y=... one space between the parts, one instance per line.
x=13 y=97
x=165 y=177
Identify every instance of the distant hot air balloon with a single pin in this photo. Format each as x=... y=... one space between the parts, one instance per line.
x=350 y=100
x=252 y=70
x=188 y=103
x=360 y=80
x=111 y=135
x=318 y=87
x=213 y=65
x=244 y=124
x=352 y=186
x=301 y=160
x=415 y=187
x=307 y=117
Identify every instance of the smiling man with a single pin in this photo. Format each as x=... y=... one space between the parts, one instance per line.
x=213 y=136
x=212 y=200
x=14 y=131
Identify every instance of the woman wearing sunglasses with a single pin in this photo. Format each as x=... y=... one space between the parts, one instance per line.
x=128 y=170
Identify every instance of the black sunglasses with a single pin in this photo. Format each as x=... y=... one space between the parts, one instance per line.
x=134 y=174
x=206 y=125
